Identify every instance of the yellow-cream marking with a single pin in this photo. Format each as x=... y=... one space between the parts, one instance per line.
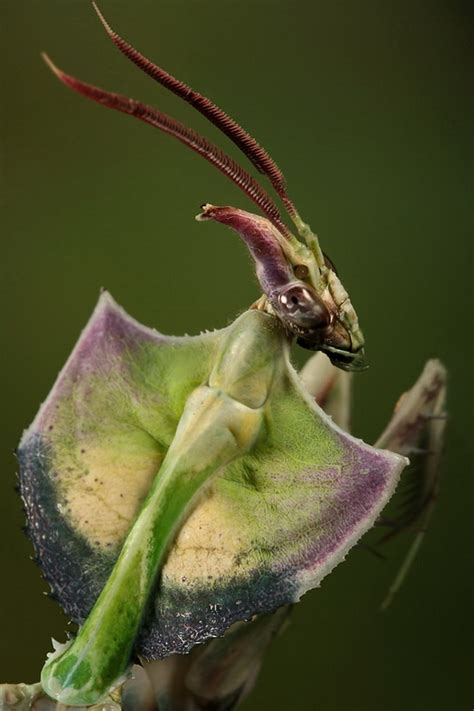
x=104 y=497
x=208 y=545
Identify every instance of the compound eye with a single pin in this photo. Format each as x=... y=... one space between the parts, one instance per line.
x=301 y=271
x=300 y=305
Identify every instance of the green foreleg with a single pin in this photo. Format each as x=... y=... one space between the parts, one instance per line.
x=214 y=429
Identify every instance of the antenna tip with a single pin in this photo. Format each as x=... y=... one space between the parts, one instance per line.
x=104 y=22
x=49 y=62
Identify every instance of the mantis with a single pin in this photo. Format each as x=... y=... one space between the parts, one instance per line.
x=176 y=486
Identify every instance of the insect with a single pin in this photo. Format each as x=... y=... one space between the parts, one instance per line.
x=176 y=486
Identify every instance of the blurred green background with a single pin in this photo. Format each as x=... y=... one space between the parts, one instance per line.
x=365 y=106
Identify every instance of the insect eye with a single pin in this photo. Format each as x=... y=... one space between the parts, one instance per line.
x=301 y=307
x=301 y=271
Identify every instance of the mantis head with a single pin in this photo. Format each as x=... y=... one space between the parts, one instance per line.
x=300 y=284
x=301 y=287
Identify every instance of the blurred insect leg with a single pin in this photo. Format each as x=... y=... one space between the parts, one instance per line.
x=214 y=429
x=331 y=387
x=419 y=419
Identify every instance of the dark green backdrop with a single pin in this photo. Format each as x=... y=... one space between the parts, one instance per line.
x=364 y=104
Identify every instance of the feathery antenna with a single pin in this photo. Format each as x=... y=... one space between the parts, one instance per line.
x=188 y=136
x=263 y=162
